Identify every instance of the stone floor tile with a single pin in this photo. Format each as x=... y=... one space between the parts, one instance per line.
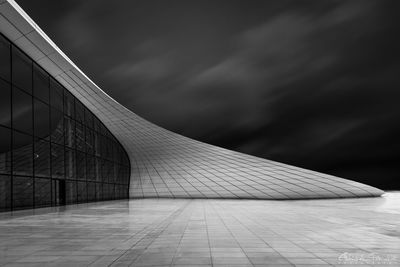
x=183 y=232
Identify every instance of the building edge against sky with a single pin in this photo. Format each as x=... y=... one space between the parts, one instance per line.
x=166 y=164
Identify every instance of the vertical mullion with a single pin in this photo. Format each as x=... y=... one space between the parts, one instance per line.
x=84 y=153
x=33 y=140
x=12 y=133
x=64 y=143
x=50 y=142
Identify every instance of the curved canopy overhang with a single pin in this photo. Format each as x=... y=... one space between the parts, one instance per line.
x=165 y=164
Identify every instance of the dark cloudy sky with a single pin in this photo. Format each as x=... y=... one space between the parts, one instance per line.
x=315 y=84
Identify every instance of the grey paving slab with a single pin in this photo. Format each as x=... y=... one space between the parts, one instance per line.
x=167 y=232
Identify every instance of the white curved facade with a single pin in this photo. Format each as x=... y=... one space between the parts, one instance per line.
x=165 y=164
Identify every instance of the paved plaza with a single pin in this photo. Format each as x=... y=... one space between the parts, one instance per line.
x=184 y=232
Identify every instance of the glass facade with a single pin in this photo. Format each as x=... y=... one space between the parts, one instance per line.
x=53 y=150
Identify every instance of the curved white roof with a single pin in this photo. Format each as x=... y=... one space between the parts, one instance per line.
x=166 y=164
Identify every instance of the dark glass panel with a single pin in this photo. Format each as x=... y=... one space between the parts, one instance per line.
x=80 y=136
x=79 y=112
x=97 y=125
x=69 y=104
x=5 y=150
x=40 y=84
x=103 y=130
x=88 y=118
x=57 y=161
x=91 y=190
x=69 y=126
x=111 y=191
x=42 y=158
x=22 y=192
x=5 y=63
x=106 y=193
x=57 y=126
x=34 y=117
x=59 y=192
x=118 y=172
x=71 y=192
x=115 y=173
x=80 y=165
x=56 y=95
x=104 y=172
x=103 y=147
x=5 y=192
x=89 y=141
x=126 y=191
x=125 y=160
x=22 y=111
x=70 y=164
x=121 y=175
x=41 y=119
x=117 y=153
x=99 y=192
x=126 y=175
x=121 y=191
x=107 y=145
x=98 y=168
x=116 y=191
x=110 y=171
x=22 y=154
x=97 y=144
x=42 y=192
x=111 y=149
x=90 y=168
x=82 y=193
x=21 y=70
x=5 y=103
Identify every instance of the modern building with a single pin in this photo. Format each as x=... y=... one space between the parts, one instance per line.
x=63 y=140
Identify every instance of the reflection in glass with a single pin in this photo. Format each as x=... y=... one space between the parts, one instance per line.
x=22 y=111
x=81 y=193
x=57 y=126
x=5 y=150
x=21 y=70
x=91 y=191
x=41 y=120
x=71 y=192
x=89 y=140
x=79 y=112
x=5 y=192
x=88 y=118
x=99 y=191
x=80 y=136
x=42 y=192
x=69 y=104
x=41 y=158
x=90 y=168
x=5 y=103
x=57 y=161
x=56 y=95
x=80 y=165
x=5 y=59
x=69 y=131
x=22 y=154
x=22 y=192
x=70 y=164
x=53 y=150
x=40 y=84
